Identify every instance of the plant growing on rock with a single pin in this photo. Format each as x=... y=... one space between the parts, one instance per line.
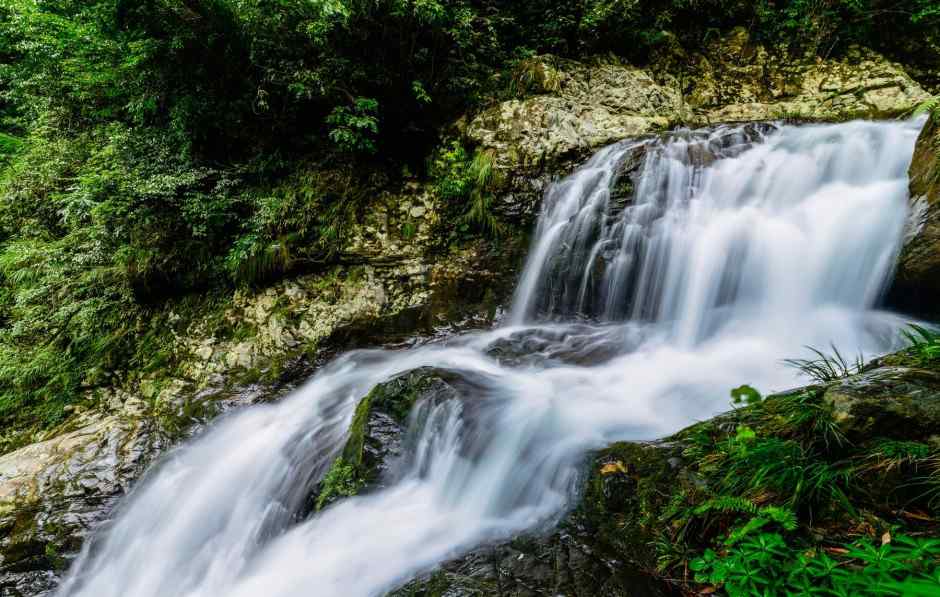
x=827 y=367
x=780 y=496
x=468 y=180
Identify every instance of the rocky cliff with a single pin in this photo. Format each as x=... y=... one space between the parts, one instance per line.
x=568 y=109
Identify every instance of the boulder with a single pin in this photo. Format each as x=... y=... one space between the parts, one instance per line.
x=917 y=282
x=897 y=402
x=378 y=429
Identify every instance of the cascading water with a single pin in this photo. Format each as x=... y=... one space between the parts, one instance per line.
x=711 y=259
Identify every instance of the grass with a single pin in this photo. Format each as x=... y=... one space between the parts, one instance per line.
x=924 y=343
x=826 y=368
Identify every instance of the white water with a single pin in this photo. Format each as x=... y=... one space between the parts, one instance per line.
x=710 y=277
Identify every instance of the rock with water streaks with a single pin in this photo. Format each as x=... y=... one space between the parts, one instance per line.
x=917 y=283
x=382 y=435
x=54 y=493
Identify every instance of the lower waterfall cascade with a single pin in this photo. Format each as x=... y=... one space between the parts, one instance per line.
x=663 y=273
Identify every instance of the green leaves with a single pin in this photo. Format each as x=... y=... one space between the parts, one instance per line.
x=467 y=181
x=745 y=395
x=766 y=564
x=354 y=128
x=924 y=342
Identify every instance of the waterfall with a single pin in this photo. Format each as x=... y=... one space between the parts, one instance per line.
x=663 y=273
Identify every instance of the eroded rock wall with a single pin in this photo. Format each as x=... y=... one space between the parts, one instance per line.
x=569 y=109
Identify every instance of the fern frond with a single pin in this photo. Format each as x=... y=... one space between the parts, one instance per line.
x=931 y=106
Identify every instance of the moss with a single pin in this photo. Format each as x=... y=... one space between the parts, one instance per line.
x=340 y=481
x=176 y=421
x=355 y=444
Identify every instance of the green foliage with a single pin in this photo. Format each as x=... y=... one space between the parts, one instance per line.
x=925 y=343
x=745 y=396
x=9 y=145
x=767 y=564
x=781 y=503
x=354 y=129
x=889 y=455
x=302 y=221
x=827 y=367
x=931 y=106
x=754 y=466
x=466 y=181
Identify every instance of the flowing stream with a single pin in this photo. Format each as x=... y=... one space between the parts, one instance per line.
x=663 y=273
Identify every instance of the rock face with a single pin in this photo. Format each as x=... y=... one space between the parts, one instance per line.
x=392 y=276
x=917 y=283
x=570 y=109
x=739 y=81
x=53 y=494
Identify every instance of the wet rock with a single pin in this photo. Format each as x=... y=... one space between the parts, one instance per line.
x=377 y=431
x=572 y=344
x=917 y=284
x=557 y=565
x=55 y=493
x=887 y=401
x=595 y=550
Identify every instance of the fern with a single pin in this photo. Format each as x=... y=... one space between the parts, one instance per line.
x=726 y=504
x=930 y=106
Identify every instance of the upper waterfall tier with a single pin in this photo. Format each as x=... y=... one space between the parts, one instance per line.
x=766 y=219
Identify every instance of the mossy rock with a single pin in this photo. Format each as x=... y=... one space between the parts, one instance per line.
x=888 y=401
x=378 y=428
x=601 y=548
x=917 y=283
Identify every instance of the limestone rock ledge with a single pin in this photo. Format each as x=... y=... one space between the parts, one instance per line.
x=569 y=109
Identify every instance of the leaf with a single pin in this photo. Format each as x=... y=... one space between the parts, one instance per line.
x=613 y=468
x=745 y=434
x=745 y=395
